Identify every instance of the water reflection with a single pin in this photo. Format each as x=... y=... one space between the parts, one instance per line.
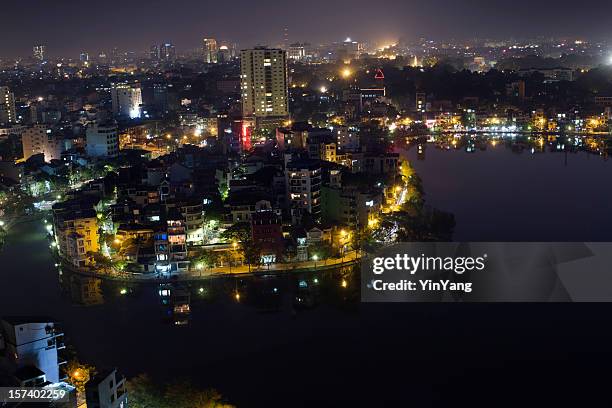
x=516 y=187
x=516 y=142
x=178 y=300
x=82 y=290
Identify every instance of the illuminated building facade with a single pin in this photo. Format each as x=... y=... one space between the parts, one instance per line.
x=7 y=105
x=264 y=82
x=39 y=139
x=76 y=232
x=126 y=100
x=303 y=181
x=167 y=52
x=209 y=47
x=102 y=139
x=32 y=344
x=297 y=52
x=39 y=52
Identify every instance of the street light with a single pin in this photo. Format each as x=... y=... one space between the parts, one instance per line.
x=234 y=245
x=315 y=258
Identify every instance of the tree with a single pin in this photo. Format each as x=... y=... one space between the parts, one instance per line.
x=239 y=232
x=252 y=253
x=322 y=250
x=144 y=393
x=206 y=257
x=79 y=374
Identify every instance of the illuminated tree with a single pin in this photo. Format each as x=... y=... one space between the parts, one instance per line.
x=79 y=374
x=144 y=393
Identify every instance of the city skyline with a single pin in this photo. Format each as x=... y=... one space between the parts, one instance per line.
x=186 y=22
x=241 y=204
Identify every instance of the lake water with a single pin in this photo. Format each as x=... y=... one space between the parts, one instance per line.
x=498 y=194
x=263 y=351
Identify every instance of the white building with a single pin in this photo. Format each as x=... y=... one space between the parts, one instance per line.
x=299 y=52
x=33 y=344
x=194 y=222
x=303 y=180
x=126 y=100
x=40 y=139
x=264 y=82
x=7 y=105
x=102 y=139
x=104 y=391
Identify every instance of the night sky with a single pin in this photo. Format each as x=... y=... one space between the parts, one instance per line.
x=68 y=27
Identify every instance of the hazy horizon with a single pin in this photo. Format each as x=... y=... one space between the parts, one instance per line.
x=67 y=27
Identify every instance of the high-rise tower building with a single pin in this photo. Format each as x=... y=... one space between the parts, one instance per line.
x=167 y=52
x=209 y=47
x=264 y=82
x=7 y=105
x=154 y=53
x=126 y=100
x=39 y=52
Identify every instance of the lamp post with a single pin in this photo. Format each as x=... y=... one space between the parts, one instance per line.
x=315 y=258
x=234 y=244
x=343 y=236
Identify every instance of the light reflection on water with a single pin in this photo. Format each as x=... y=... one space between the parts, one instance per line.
x=117 y=324
x=518 y=187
